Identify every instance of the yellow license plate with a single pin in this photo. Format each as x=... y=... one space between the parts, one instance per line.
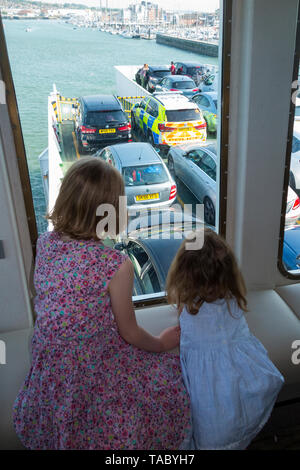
x=107 y=131
x=146 y=197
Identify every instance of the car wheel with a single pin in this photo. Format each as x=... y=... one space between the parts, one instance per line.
x=209 y=211
x=292 y=181
x=171 y=166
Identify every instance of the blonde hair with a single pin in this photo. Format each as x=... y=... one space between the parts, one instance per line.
x=205 y=275
x=88 y=183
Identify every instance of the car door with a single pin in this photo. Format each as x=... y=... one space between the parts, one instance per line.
x=141 y=113
x=190 y=171
x=208 y=174
x=182 y=167
x=152 y=109
x=168 y=85
x=161 y=85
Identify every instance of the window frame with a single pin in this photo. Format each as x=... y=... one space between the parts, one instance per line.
x=158 y=298
x=18 y=139
x=288 y=155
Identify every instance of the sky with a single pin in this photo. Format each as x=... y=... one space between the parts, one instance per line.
x=191 y=5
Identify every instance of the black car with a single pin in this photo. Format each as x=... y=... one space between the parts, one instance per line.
x=155 y=73
x=151 y=259
x=193 y=70
x=100 y=121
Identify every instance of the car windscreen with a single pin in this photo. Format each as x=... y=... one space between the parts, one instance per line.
x=101 y=118
x=144 y=175
x=184 y=85
x=159 y=73
x=179 y=115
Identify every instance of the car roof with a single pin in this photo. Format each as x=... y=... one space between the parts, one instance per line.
x=135 y=153
x=212 y=94
x=161 y=217
x=159 y=67
x=173 y=101
x=212 y=148
x=162 y=252
x=182 y=78
x=101 y=102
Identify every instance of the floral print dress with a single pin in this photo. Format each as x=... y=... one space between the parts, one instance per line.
x=87 y=388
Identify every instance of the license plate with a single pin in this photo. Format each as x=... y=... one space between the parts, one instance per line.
x=146 y=197
x=107 y=131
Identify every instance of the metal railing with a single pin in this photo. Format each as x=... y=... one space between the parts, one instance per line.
x=128 y=102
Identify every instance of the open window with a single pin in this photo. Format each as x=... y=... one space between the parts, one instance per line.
x=43 y=53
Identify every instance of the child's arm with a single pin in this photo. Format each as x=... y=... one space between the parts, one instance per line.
x=120 y=290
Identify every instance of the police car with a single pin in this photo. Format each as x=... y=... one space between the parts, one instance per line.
x=168 y=119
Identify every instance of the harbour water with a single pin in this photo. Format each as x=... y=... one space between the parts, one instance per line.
x=80 y=62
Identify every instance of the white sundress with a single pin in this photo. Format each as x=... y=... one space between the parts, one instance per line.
x=231 y=381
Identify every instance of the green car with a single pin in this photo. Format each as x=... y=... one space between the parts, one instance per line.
x=208 y=103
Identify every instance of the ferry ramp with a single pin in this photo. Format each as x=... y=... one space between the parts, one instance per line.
x=65 y=110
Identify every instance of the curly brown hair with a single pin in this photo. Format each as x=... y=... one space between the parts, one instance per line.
x=205 y=275
x=88 y=183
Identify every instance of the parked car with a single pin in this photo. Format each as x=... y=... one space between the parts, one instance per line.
x=167 y=119
x=179 y=83
x=295 y=163
x=196 y=166
x=193 y=70
x=163 y=223
x=292 y=208
x=208 y=103
x=148 y=182
x=100 y=121
x=156 y=73
x=291 y=248
x=151 y=259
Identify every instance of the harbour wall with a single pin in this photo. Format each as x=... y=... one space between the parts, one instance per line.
x=203 y=48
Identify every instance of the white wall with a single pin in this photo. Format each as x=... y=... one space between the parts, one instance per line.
x=126 y=86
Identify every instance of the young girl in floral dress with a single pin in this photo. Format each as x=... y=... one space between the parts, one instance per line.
x=97 y=379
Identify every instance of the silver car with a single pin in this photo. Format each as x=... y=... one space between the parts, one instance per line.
x=196 y=166
x=148 y=183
